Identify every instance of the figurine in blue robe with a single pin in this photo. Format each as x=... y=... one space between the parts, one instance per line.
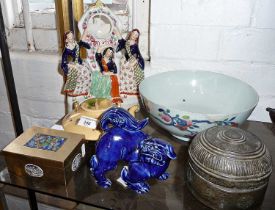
x=76 y=71
x=132 y=64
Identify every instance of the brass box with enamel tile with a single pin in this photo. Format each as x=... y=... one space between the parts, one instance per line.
x=45 y=155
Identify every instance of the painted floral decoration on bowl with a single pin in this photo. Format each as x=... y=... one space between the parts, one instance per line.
x=187 y=102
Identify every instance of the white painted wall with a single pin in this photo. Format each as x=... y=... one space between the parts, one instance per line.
x=235 y=37
x=38 y=85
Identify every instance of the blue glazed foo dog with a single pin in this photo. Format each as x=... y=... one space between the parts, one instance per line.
x=123 y=140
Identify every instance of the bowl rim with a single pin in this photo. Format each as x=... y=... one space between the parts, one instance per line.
x=211 y=72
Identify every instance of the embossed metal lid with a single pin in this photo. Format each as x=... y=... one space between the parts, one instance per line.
x=228 y=152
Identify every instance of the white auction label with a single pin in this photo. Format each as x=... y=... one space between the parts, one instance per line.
x=87 y=122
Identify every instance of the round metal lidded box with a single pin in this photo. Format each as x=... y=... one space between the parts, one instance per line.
x=228 y=168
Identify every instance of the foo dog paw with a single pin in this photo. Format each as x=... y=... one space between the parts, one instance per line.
x=164 y=176
x=139 y=187
x=92 y=171
x=104 y=183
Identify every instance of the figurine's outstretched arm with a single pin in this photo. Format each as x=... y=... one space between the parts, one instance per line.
x=121 y=45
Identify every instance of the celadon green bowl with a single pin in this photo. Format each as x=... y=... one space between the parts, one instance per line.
x=188 y=102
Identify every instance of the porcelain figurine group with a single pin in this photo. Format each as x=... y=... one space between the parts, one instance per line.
x=123 y=139
x=98 y=76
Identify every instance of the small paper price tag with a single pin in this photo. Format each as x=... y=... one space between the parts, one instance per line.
x=87 y=122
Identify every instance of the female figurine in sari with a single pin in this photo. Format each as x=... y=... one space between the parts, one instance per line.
x=108 y=67
x=77 y=72
x=132 y=65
